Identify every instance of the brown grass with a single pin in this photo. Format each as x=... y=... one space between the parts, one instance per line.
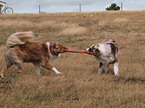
x=80 y=85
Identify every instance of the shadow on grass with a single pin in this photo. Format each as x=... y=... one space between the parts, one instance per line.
x=110 y=71
x=129 y=80
x=122 y=78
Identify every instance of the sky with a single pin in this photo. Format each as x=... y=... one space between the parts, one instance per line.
x=51 y=6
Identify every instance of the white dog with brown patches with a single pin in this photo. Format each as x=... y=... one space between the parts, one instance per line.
x=106 y=53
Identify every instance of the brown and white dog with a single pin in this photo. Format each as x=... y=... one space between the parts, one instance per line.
x=106 y=53
x=40 y=54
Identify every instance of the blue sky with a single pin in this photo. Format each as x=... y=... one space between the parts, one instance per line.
x=31 y=6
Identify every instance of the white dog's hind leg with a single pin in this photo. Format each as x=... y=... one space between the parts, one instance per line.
x=55 y=70
x=116 y=69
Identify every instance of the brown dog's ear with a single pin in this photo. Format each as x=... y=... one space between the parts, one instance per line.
x=53 y=45
x=62 y=46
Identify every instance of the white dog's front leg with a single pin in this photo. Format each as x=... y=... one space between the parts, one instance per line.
x=116 y=69
x=101 y=67
x=55 y=70
x=106 y=68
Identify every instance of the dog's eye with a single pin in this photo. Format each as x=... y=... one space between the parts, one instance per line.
x=90 y=50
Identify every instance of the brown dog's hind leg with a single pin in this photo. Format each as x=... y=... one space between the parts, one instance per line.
x=21 y=72
x=19 y=65
x=3 y=71
x=5 y=68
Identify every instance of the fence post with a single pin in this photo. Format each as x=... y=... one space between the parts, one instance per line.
x=80 y=7
x=39 y=9
x=121 y=6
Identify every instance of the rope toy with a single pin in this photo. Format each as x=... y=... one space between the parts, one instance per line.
x=78 y=52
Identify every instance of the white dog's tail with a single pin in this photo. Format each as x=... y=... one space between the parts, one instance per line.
x=19 y=38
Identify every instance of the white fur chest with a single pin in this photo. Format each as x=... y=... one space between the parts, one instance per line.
x=52 y=57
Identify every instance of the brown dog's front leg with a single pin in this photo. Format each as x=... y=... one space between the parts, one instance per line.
x=49 y=67
x=55 y=70
x=37 y=66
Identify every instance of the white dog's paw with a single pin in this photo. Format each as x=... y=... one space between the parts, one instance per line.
x=116 y=74
x=38 y=75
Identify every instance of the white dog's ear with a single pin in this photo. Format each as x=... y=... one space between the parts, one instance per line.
x=96 y=46
x=92 y=45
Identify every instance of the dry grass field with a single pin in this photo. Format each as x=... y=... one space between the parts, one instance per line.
x=79 y=86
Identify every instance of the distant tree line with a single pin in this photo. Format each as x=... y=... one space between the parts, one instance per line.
x=113 y=7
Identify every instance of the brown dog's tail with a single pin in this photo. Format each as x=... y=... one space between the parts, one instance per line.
x=19 y=38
